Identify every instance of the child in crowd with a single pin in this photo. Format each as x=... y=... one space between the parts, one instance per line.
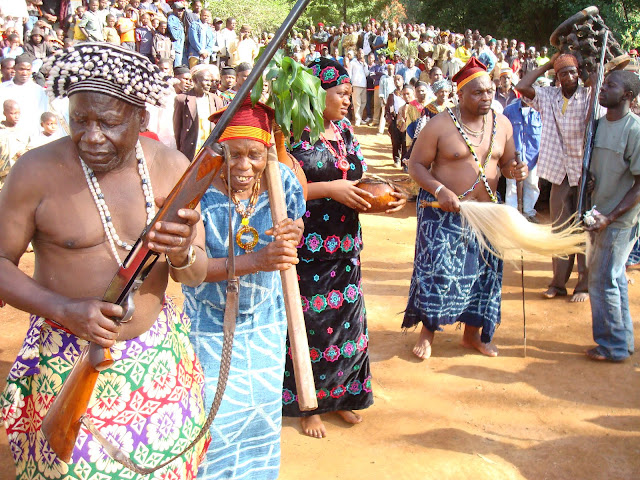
x=162 y=44
x=144 y=37
x=13 y=139
x=126 y=27
x=13 y=49
x=78 y=36
x=49 y=124
x=109 y=32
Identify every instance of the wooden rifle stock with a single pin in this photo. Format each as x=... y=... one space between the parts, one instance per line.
x=63 y=420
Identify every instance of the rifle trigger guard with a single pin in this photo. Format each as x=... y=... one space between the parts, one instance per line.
x=129 y=306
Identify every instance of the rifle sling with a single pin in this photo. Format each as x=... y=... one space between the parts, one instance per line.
x=228 y=328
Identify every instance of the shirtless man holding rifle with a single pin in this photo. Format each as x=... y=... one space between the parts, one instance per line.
x=83 y=201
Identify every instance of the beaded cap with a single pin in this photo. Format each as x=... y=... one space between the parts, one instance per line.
x=108 y=69
x=330 y=72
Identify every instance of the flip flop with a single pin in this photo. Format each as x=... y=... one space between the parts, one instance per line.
x=597 y=354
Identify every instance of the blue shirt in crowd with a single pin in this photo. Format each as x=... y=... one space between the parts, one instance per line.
x=527 y=128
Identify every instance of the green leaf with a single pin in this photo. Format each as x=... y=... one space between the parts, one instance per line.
x=256 y=92
x=296 y=95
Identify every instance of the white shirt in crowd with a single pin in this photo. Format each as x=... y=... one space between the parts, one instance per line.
x=358 y=72
x=32 y=99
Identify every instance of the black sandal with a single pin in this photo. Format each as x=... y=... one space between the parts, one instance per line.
x=599 y=355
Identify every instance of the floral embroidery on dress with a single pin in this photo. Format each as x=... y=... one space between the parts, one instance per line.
x=330 y=282
x=333 y=299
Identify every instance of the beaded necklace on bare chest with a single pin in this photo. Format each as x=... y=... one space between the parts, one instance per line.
x=105 y=215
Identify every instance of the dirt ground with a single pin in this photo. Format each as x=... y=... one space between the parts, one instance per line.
x=553 y=414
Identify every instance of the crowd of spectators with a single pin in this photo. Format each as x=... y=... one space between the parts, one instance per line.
x=391 y=65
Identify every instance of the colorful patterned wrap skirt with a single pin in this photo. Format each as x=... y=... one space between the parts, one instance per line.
x=453 y=279
x=338 y=336
x=149 y=402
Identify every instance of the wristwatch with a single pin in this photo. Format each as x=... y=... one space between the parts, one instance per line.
x=191 y=259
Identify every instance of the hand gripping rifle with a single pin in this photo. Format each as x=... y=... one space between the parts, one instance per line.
x=62 y=423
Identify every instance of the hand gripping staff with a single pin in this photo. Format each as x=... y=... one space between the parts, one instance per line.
x=62 y=423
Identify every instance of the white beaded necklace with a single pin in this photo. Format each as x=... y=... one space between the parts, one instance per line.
x=105 y=215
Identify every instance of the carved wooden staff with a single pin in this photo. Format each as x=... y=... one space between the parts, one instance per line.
x=305 y=385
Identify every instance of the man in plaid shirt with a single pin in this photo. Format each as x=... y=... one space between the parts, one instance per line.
x=564 y=112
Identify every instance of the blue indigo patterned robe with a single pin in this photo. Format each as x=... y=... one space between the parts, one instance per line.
x=453 y=279
x=246 y=432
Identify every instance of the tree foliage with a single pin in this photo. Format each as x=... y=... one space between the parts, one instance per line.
x=531 y=21
x=262 y=15
x=267 y=15
x=332 y=12
x=394 y=11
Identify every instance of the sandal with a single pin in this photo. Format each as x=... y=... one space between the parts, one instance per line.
x=599 y=355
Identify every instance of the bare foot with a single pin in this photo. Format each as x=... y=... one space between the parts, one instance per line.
x=471 y=339
x=580 y=297
x=553 y=292
x=313 y=426
x=422 y=348
x=349 y=416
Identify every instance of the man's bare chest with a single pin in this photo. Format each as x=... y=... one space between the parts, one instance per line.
x=71 y=219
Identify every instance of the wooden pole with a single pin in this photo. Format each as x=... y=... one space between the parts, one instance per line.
x=305 y=385
x=520 y=199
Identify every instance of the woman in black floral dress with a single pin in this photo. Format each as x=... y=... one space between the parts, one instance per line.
x=329 y=268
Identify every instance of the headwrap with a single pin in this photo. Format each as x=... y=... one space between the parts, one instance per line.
x=565 y=60
x=108 y=69
x=330 y=72
x=199 y=69
x=253 y=123
x=440 y=85
x=472 y=70
x=506 y=72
